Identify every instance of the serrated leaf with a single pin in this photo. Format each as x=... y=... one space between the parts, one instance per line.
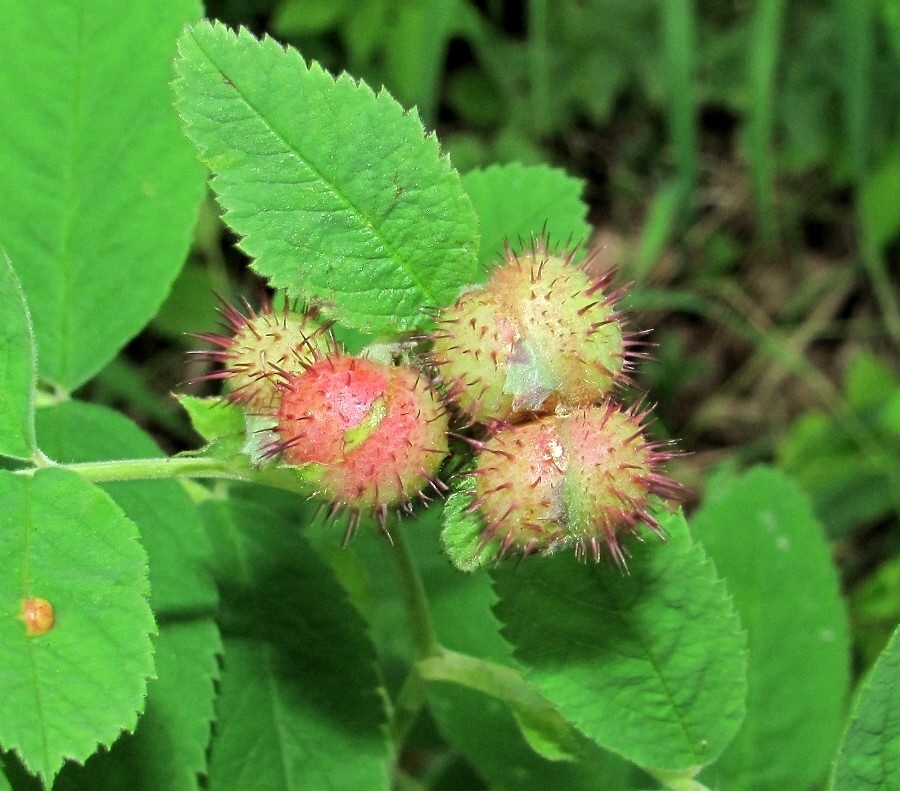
x=168 y=749
x=298 y=705
x=760 y=532
x=542 y=726
x=214 y=418
x=485 y=731
x=461 y=530
x=171 y=527
x=460 y=609
x=337 y=192
x=82 y=682
x=461 y=612
x=517 y=202
x=17 y=367
x=16 y=775
x=105 y=186
x=869 y=757
x=649 y=665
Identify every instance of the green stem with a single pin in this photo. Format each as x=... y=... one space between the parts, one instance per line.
x=679 y=782
x=407 y=705
x=499 y=681
x=412 y=695
x=412 y=592
x=174 y=467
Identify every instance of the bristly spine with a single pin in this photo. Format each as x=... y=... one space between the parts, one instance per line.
x=541 y=334
x=584 y=479
x=369 y=436
x=256 y=346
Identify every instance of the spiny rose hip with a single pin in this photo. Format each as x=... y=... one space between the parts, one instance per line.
x=540 y=334
x=368 y=435
x=258 y=348
x=580 y=480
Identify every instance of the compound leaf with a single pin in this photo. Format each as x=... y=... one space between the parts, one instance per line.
x=101 y=186
x=83 y=681
x=338 y=193
x=760 y=532
x=648 y=664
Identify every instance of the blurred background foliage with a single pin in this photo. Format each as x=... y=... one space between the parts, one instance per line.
x=742 y=162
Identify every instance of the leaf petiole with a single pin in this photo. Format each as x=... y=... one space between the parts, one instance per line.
x=176 y=467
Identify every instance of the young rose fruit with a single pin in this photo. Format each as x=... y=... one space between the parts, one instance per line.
x=258 y=348
x=367 y=435
x=581 y=480
x=540 y=334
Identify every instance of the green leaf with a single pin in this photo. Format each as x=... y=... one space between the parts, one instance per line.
x=82 y=682
x=876 y=197
x=875 y=610
x=305 y=17
x=171 y=528
x=17 y=367
x=214 y=418
x=337 y=192
x=298 y=705
x=869 y=757
x=517 y=202
x=649 y=665
x=461 y=611
x=662 y=218
x=168 y=749
x=231 y=434
x=760 y=532
x=486 y=732
x=461 y=529
x=480 y=723
x=545 y=730
x=848 y=486
x=106 y=187
x=869 y=382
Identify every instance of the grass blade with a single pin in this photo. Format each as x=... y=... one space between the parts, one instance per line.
x=765 y=43
x=679 y=45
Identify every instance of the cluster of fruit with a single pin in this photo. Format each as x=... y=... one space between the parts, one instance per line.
x=528 y=362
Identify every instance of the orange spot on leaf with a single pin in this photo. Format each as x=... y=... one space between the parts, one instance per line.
x=38 y=616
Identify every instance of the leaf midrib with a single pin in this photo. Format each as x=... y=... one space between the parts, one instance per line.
x=367 y=222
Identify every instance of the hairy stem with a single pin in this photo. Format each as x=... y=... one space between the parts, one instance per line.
x=174 y=467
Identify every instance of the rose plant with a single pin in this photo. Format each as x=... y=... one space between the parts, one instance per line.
x=187 y=620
